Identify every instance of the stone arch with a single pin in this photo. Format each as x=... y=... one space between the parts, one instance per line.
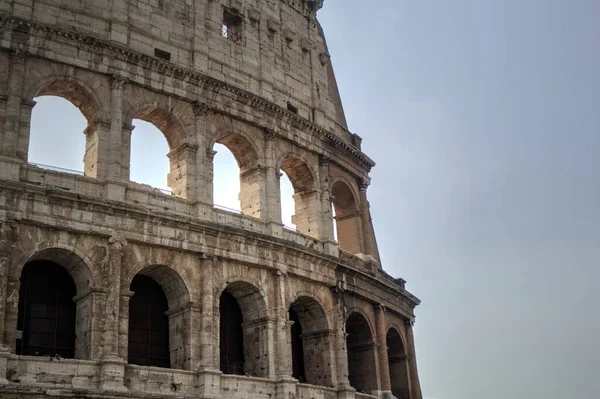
x=397 y=363
x=347 y=216
x=179 y=311
x=306 y=196
x=311 y=341
x=242 y=146
x=86 y=100
x=173 y=284
x=254 y=325
x=182 y=148
x=248 y=156
x=70 y=88
x=85 y=328
x=360 y=345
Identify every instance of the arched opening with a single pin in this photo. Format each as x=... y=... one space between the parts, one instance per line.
x=251 y=194
x=298 y=369
x=148 y=324
x=311 y=342
x=231 y=336
x=398 y=366
x=347 y=218
x=181 y=157
x=361 y=354
x=286 y=189
x=226 y=179
x=159 y=310
x=306 y=199
x=149 y=156
x=56 y=293
x=47 y=313
x=243 y=331
x=65 y=109
x=57 y=138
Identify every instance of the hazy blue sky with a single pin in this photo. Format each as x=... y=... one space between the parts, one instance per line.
x=484 y=120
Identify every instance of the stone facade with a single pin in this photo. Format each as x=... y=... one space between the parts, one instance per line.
x=255 y=76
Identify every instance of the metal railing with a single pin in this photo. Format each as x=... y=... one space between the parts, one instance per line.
x=224 y=208
x=57 y=169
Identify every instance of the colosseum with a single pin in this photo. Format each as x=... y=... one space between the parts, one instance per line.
x=114 y=289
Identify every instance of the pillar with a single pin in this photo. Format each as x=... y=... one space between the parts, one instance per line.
x=273 y=194
x=341 y=351
x=7 y=237
x=208 y=346
x=415 y=386
x=182 y=176
x=97 y=147
x=326 y=222
x=385 y=385
x=203 y=163
x=116 y=126
x=112 y=365
x=10 y=136
x=368 y=233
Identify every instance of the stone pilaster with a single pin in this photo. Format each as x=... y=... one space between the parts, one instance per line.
x=326 y=222
x=341 y=350
x=368 y=233
x=9 y=138
x=112 y=365
x=273 y=195
x=116 y=126
x=208 y=347
x=283 y=348
x=204 y=158
x=385 y=385
x=415 y=386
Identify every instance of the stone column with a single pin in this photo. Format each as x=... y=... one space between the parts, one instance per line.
x=385 y=385
x=97 y=147
x=112 y=365
x=182 y=176
x=345 y=390
x=415 y=386
x=203 y=163
x=273 y=195
x=116 y=126
x=326 y=222
x=286 y=384
x=13 y=104
x=7 y=237
x=368 y=233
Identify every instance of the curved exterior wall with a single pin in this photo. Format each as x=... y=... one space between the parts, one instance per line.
x=269 y=95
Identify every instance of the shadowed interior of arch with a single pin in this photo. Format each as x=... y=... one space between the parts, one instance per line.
x=398 y=366
x=310 y=341
x=361 y=354
x=54 y=143
x=156 y=333
x=243 y=323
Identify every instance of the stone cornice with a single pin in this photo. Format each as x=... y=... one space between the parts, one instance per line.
x=99 y=45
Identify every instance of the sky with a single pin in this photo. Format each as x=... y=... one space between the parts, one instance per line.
x=484 y=120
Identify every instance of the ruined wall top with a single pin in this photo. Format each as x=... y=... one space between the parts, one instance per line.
x=273 y=49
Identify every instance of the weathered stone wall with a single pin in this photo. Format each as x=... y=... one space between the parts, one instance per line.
x=268 y=98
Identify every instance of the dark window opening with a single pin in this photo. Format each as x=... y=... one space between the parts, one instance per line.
x=46 y=319
x=148 y=324
x=298 y=370
x=165 y=55
x=232 y=25
x=231 y=336
x=291 y=108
